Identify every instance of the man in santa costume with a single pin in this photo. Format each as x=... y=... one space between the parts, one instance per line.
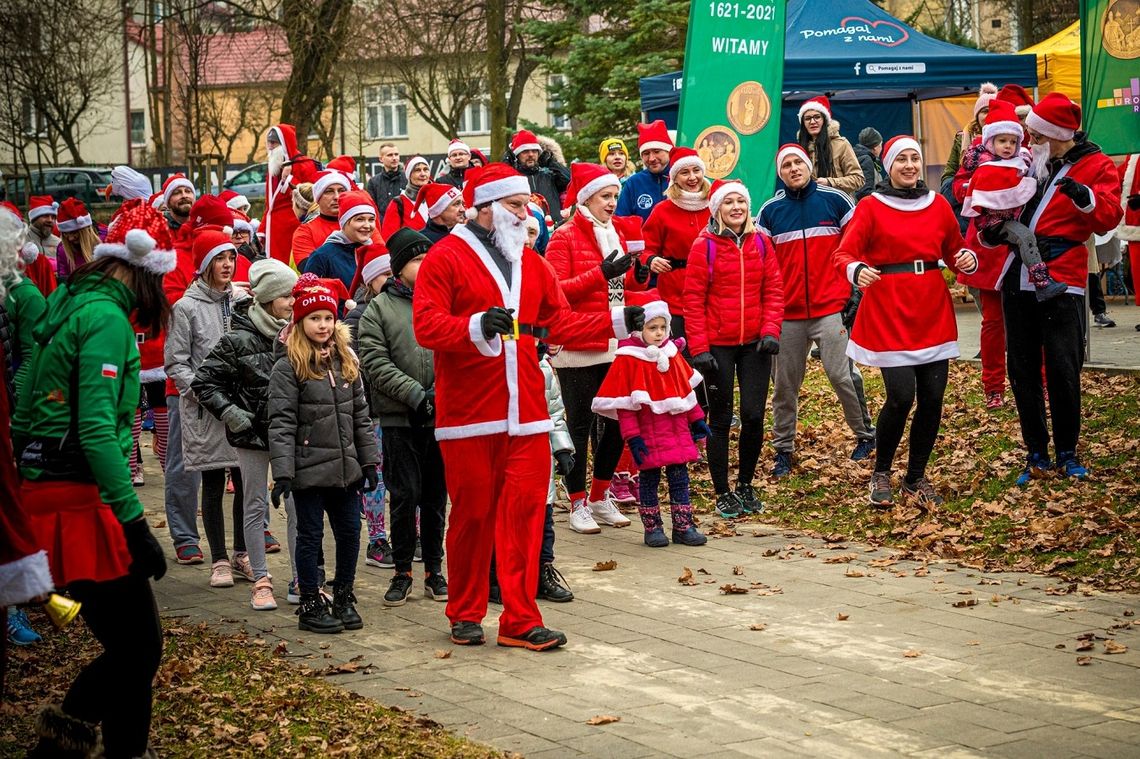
x=42 y=213
x=1129 y=229
x=445 y=209
x=1078 y=196
x=288 y=168
x=483 y=301
x=406 y=209
x=646 y=188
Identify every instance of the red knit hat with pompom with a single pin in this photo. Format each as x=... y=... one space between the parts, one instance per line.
x=310 y=296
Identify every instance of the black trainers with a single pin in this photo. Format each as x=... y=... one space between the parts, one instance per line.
x=495 y=595
x=728 y=505
x=783 y=465
x=863 y=449
x=921 y=491
x=398 y=589
x=435 y=587
x=534 y=639
x=344 y=608
x=467 y=634
x=881 y=497
x=749 y=503
x=552 y=585
x=315 y=615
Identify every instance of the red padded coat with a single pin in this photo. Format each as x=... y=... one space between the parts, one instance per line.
x=669 y=233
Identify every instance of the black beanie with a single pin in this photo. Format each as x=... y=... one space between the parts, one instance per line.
x=870 y=137
x=404 y=245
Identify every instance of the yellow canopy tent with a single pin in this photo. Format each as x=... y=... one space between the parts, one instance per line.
x=1059 y=62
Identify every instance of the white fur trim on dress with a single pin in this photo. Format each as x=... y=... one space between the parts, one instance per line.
x=138 y=250
x=638 y=399
x=597 y=185
x=902 y=357
x=157 y=374
x=25 y=578
x=897 y=147
x=501 y=188
x=76 y=224
x=489 y=348
x=346 y=216
x=1048 y=128
x=906 y=204
x=1128 y=232
x=1000 y=200
x=681 y=163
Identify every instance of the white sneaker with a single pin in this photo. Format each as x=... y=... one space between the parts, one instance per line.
x=222 y=575
x=606 y=513
x=581 y=520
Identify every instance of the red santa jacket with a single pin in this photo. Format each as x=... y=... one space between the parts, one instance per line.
x=733 y=295
x=1129 y=228
x=485 y=387
x=669 y=233
x=402 y=212
x=41 y=273
x=151 y=361
x=574 y=253
x=280 y=222
x=904 y=319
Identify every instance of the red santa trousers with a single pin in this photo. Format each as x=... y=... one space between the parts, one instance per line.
x=497 y=485
x=993 y=341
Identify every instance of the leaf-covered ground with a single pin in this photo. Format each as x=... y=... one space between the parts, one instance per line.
x=227 y=695
x=1087 y=531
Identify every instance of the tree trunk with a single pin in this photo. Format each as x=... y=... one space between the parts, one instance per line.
x=497 y=74
x=316 y=32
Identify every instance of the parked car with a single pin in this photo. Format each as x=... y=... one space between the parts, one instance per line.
x=250 y=181
x=84 y=182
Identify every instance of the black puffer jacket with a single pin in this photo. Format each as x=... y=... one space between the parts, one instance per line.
x=319 y=431
x=236 y=373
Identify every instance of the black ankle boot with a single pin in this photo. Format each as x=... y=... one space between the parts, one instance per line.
x=314 y=615
x=551 y=585
x=343 y=607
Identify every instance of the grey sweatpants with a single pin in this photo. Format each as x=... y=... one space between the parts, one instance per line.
x=181 y=486
x=254 y=467
x=796 y=338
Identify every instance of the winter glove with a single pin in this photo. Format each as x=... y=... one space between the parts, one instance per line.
x=616 y=264
x=1076 y=191
x=237 y=420
x=634 y=318
x=700 y=430
x=851 y=308
x=424 y=414
x=496 y=320
x=545 y=159
x=564 y=463
x=371 y=478
x=282 y=489
x=147 y=559
x=641 y=272
x=1134 y=202
x=638 y=449
x=768 y=345
x=705 y=364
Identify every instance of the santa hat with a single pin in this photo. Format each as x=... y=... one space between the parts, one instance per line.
x=41 y=205
x=494 y=181
x=896 y=145
x=73 y=216
x=327 y=179
x=375 y=260
x=354 y=203
x=172 y=183
x=242 y=225
x=436 y=197
x=141 y=237
x=1056 y=117
x=312 y=295
x=29 y=252
x=155 y=201
x=986 y=93
x=818 y=104
x=630 y=228
x=10 y=206
x=587 y=179
x=412 y=163
x=459 y=146
x=524 y=140
x=1016 y=95
x=210 y=211
x=208 y=243
x=235 y=200
x=653 y=136
x=128 y=184
x=1001 y=119
x=998 y=186
x=681 y=158
x=345 y=164
x=721 y=189
x=792 y=148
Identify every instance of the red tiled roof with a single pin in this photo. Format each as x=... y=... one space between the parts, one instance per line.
x=256 y=57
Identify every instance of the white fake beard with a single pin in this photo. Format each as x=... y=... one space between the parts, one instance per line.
x=277 y=160
x=508 y=231
x=1039 y=167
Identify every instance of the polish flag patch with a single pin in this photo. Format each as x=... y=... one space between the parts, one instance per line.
x=110 y=370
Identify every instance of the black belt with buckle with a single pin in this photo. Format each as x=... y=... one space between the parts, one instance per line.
x=913 y=267
x=535 y=331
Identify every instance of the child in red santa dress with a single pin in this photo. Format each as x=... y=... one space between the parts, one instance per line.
x=649 y=390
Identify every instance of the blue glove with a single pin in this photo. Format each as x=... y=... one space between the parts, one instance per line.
x=699 y=430
x=639 y=449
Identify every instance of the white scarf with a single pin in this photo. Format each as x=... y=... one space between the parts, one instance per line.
x=605 y=234
x=692 y=201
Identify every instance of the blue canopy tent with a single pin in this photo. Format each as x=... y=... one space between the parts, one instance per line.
x=872 y=66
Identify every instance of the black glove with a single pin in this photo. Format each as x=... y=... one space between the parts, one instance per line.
x=282 y=488
x=1079 y=194
x=705 y=364
x=545 y=158
x=700 y=430
x=638 y=449
x=641 y=272
x=769 y=345
x=497 y=320
x=634 y=318
x=616 y=264
x=1134 y=202
x=424 y=414
x=147 y=559
x=851 y=308
x=564 y=463
x=371 y=478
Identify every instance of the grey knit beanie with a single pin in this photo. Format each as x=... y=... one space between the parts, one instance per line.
x=870 y=137
x=269 y=279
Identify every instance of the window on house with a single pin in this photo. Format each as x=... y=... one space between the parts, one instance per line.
x=385 y=112
x=138 y=127
x=558 y=119
x=31 y=120
x=996 y=23
x=476 y=118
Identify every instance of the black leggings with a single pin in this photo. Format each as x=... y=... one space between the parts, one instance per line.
x=927 y=382
x=122 y=616
x=579 y=386
x=753 y=370
x=213 y=489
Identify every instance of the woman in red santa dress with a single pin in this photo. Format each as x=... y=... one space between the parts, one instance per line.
x=905 y=325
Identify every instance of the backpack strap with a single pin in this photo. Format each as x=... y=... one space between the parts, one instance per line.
x=711 y=256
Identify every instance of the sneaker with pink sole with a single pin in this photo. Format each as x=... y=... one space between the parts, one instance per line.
x=621 y=491
x=262 y=597
x=222 y=576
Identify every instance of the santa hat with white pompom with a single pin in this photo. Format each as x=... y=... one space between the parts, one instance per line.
x=140 y=236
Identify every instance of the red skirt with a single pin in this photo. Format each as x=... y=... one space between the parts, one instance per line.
x=82 y=537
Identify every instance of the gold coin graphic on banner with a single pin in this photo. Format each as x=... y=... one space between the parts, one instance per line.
x=749 y=108
x=1120 y=30
x=719 y=147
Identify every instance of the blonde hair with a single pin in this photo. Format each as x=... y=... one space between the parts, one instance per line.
x=306 y=361
x=720 y=227
x=673 y=191
x=81 y=253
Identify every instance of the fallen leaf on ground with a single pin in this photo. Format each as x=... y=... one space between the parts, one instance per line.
x=770 y=552
x=1112 y=647
x=703 y=571
x=281 y=649
x=973 y=643
x=853 y=573
x=442 y=654
x=602 y=719
x=842 y=617
x=841 y=559
x=965 y=603
x=1128 y=612
x=159 y=524
x=605 y=566
x=686 y=577
x=731 y=589
x=1086 y=645
x=758 y=626
x=1084 y=661
x=738 y=570
x=912 y=654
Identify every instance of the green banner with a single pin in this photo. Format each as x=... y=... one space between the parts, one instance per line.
x=732 y=89
x=1110 y=73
